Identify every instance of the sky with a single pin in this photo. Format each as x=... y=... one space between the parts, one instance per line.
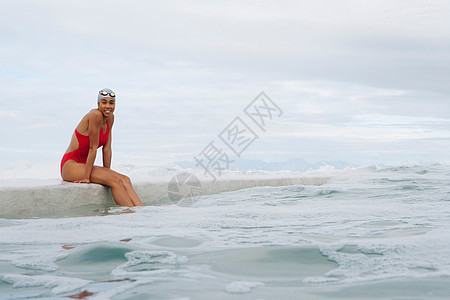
x=366 y=82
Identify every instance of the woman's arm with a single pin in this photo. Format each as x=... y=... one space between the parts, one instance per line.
x=107 y=155
x=94 y=124
x=107 y=152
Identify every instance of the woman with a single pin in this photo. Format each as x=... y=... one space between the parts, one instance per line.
x=94 y=131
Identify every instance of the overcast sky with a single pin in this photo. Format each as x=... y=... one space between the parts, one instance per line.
x=358 y=81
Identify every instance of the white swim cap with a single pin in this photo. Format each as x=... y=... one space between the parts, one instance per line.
x=105 y=93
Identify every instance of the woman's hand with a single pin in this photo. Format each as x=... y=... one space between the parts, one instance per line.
x=84 y=180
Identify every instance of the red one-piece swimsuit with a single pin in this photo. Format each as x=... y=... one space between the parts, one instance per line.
x=80 y=155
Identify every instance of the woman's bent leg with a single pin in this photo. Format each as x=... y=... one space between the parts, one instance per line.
x=73 y=171
x=131 y=192
x=115 y=182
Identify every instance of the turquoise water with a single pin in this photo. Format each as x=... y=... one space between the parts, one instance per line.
x=368 y=233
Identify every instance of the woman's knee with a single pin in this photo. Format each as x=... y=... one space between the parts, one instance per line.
x=119 y=179
x=112 y=178
x=115 y=180
x=125 y=179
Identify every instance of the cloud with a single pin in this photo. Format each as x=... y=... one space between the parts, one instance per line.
x=14 y=115
x=349 y=72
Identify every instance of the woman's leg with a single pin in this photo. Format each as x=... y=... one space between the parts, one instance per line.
x=130 y=190
x=115 y=182
x=119 y=184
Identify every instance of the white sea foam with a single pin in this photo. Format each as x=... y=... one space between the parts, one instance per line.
x=162 y=257
x=42 y=258
x=35 y=264
x=158 y=260
x=57 y=284
x=242 y=287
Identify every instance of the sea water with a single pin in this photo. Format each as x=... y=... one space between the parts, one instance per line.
x=367 y=233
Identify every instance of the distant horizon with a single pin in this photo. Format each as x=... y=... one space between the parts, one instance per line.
x=22 y=169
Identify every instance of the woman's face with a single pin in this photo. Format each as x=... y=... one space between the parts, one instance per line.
x=107 y=106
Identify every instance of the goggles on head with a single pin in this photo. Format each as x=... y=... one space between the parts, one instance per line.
x=105 y=93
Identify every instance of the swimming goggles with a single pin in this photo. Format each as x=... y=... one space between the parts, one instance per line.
x=104 y=93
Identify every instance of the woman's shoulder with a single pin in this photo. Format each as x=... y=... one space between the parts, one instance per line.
x=94 y=113
x=93 y=117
